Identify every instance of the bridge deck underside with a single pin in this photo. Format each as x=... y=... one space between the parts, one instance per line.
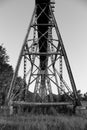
x=42 y=23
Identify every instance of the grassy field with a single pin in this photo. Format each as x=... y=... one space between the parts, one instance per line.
x=45 y=122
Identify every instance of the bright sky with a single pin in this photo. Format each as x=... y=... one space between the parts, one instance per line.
x=71 y=16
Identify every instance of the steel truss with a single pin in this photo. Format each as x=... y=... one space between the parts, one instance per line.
x=43 y=81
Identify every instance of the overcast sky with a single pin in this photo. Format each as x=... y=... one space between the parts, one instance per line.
x=71 y=16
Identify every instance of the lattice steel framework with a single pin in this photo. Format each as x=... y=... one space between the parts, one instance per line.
x=41 y=61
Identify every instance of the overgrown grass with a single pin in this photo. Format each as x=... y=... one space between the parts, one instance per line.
x=45 y=122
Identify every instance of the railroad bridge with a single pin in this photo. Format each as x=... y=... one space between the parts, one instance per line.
x=41 y=62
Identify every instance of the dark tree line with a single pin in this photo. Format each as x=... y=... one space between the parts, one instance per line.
x=6 y=74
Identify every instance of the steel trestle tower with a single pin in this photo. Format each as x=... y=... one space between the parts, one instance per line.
x=41 y=59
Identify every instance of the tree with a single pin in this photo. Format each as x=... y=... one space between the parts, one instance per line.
x=18 y=88
x=85 y=96
x=6 y=75
x=4 y=58
x=6 y=71
x=80 y=95
x=5 y=78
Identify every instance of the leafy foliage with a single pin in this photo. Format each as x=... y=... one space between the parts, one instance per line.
x=6 y=72
x=6 y=77
x=85 y=96
x=4 y=58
